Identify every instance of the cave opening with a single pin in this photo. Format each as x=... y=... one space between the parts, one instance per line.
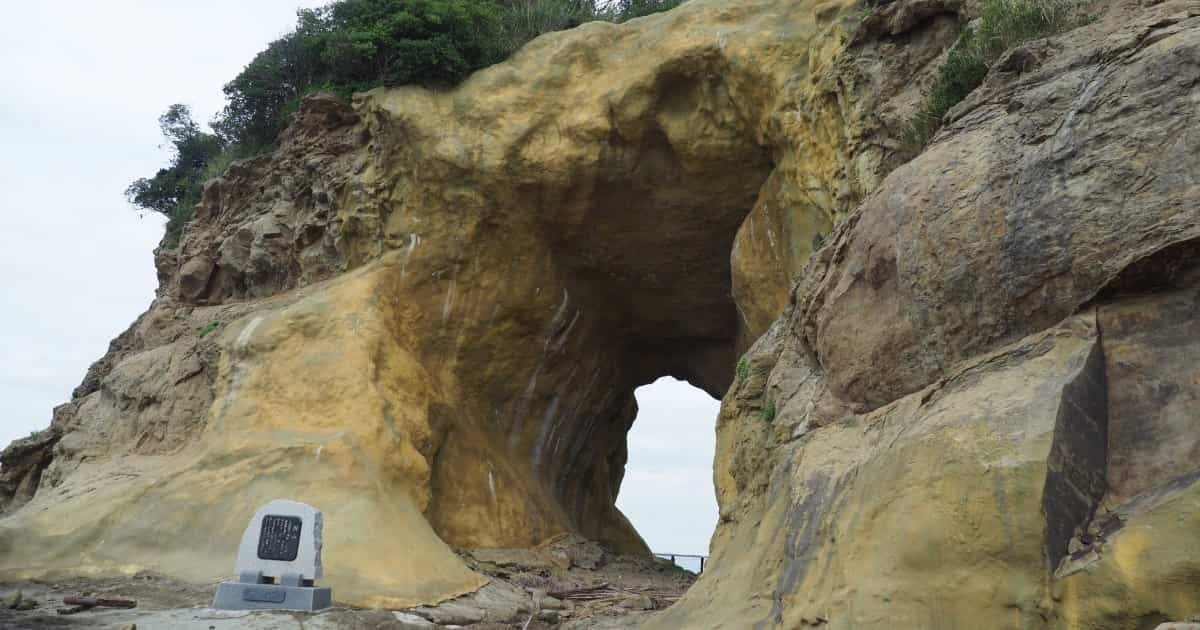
x=668 y=492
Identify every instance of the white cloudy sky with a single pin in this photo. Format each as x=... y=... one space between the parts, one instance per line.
x=668 y=488
x=85 y=82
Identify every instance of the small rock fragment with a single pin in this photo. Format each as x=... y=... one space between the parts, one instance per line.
x=451 y=613
x=638 y=602
x=412 y=621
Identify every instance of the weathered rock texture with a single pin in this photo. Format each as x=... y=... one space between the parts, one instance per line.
x=980 y=408
x=426 y=314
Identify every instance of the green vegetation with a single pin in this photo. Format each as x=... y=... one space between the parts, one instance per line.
x=523 y=20
x=18 y=601
x=867 y=9
x=346 y=47
x=1003 y=25
x=176 y=188
x=622 y=10
x=354 y=45
x=768 y=413
x=208 y=328
x=742 y=370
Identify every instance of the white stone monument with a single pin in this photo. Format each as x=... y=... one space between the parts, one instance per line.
x=278 y=561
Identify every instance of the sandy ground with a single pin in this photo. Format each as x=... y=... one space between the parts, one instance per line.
x=570 y=587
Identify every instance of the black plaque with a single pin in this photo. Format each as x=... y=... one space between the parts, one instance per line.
x=279 y=538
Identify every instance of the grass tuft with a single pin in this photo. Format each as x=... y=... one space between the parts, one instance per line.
x=742 y=370
x=768 y=413
x=208 y=329
x=1003 y=24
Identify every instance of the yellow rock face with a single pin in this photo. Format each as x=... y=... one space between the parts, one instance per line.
x=876 y=520
x=307 y=406
x=979 y=409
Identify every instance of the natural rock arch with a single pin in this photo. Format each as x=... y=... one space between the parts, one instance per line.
x=433 y=308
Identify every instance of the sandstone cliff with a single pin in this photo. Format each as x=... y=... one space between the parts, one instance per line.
x=971 y=389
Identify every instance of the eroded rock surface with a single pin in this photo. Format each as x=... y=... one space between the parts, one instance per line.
x=969 y=393
x=978 y=413
x=1046 y=186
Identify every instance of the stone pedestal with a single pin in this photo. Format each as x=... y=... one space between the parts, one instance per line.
x=245 y=596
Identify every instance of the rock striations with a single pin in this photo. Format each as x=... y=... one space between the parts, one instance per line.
x=971 y=394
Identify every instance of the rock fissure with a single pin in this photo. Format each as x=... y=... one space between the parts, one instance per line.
x=1078 y=460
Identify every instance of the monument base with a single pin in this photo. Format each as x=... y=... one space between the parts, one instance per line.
x=246 y=596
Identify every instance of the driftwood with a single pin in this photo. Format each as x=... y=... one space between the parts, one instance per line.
x=80 y=604
x=93 y=602
x=599 y=591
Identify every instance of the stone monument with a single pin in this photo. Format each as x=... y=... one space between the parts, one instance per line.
x=278 y=561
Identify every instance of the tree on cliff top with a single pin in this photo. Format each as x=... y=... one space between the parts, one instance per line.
x=355 y=45
x=345 y=47
x=176 y=188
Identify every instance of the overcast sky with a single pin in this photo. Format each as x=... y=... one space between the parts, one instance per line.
x=668 y=488
x=85 y=83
